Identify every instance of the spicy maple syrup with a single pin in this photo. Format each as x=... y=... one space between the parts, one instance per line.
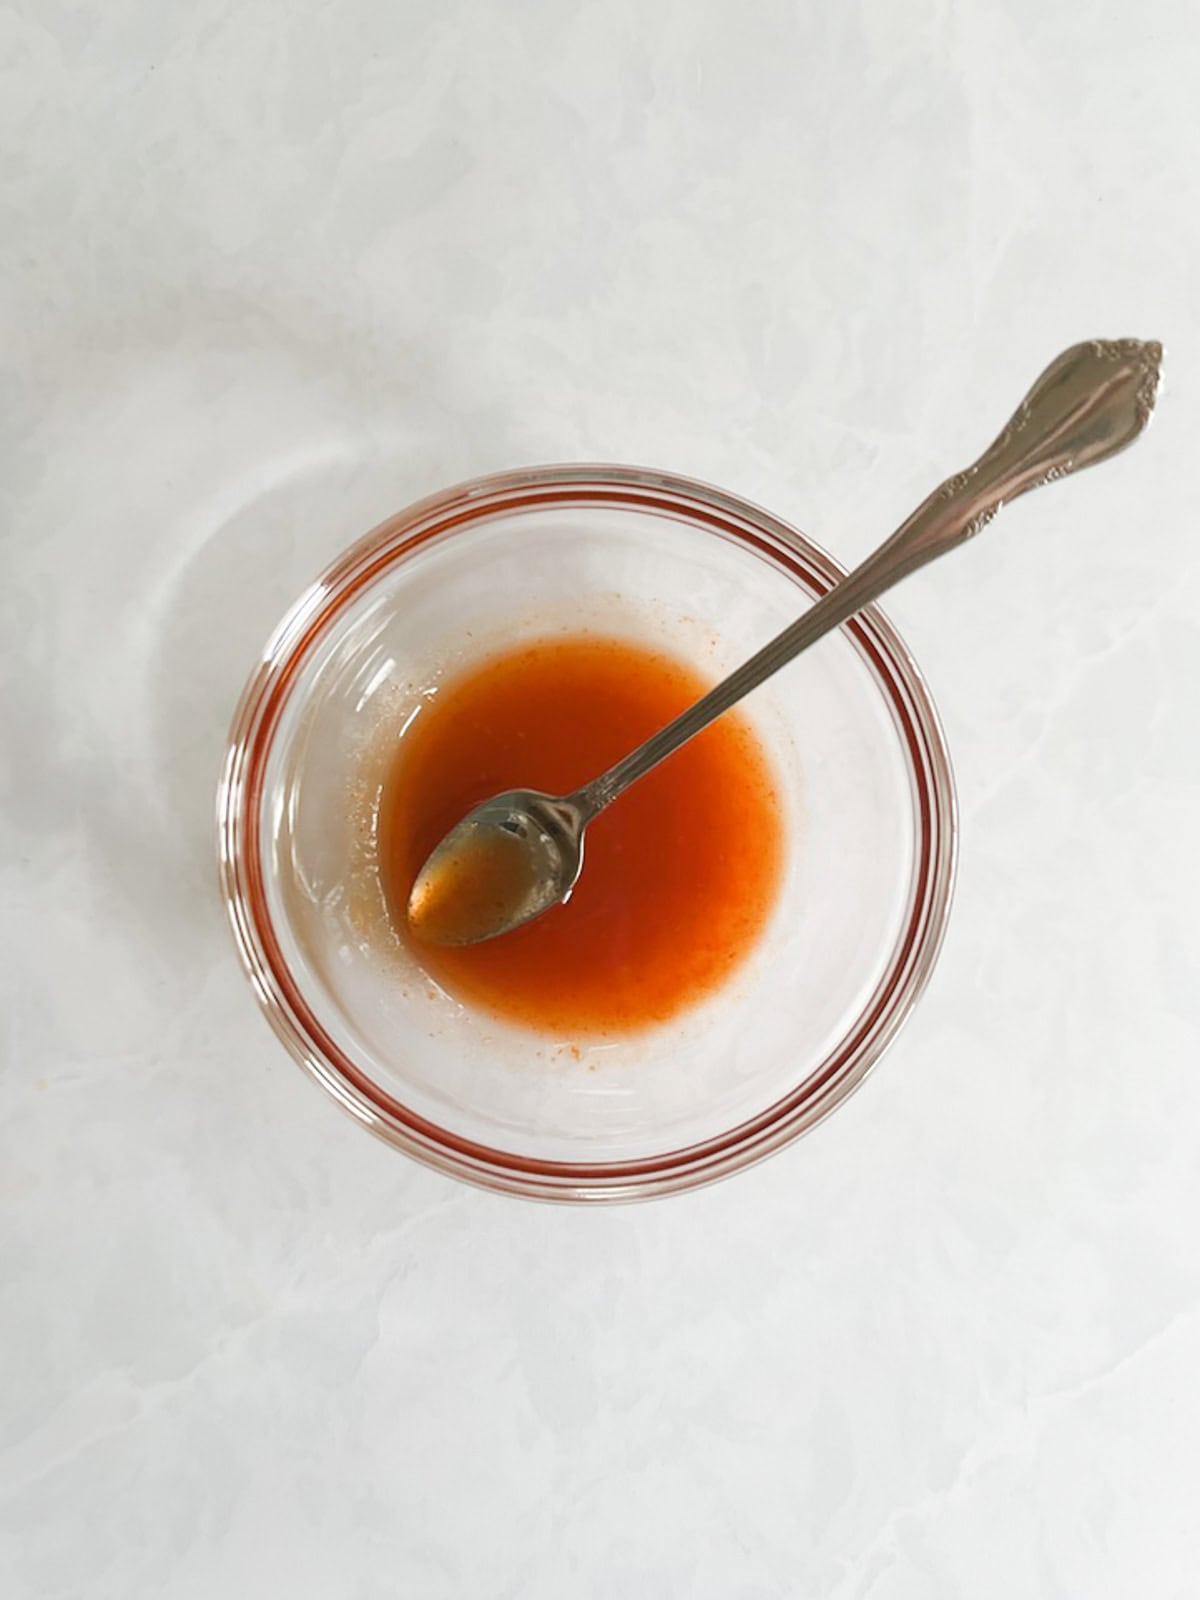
x=679 y=874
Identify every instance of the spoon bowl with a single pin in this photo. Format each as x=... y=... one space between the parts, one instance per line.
x=506 y=862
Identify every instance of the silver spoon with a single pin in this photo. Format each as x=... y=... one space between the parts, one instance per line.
x=518 y=854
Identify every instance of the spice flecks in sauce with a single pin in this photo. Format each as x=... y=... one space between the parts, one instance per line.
x=679 y=874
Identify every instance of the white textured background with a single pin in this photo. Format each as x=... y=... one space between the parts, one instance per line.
x=270 y=271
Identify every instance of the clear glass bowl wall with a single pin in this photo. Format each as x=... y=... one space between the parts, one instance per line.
x=864 y=778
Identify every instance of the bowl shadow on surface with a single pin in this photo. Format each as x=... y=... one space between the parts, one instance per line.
x=220 y=575
x=220 y=608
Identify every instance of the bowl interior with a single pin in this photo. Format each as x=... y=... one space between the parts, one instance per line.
x=868 y=817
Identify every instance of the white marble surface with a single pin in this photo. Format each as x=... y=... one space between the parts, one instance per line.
x=271 y=270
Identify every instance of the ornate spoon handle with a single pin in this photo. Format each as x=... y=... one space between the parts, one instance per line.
x=1088 y=404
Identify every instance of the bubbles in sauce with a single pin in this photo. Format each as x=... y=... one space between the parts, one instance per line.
x=679 y=875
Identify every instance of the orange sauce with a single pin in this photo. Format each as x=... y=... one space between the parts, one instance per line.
x=679 y=874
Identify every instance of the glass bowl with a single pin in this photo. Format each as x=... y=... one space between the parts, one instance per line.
x=861 y=765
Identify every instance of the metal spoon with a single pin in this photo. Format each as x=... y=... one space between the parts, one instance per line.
x=521 y=852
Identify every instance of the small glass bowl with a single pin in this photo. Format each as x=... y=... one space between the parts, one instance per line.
x=862 y=769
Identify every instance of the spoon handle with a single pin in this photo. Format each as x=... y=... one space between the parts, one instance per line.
x=1088 y=404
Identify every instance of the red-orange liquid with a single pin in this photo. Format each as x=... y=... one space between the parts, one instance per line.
x=679 y=874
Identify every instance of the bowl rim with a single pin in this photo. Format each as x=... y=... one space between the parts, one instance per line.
x=257 y=717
